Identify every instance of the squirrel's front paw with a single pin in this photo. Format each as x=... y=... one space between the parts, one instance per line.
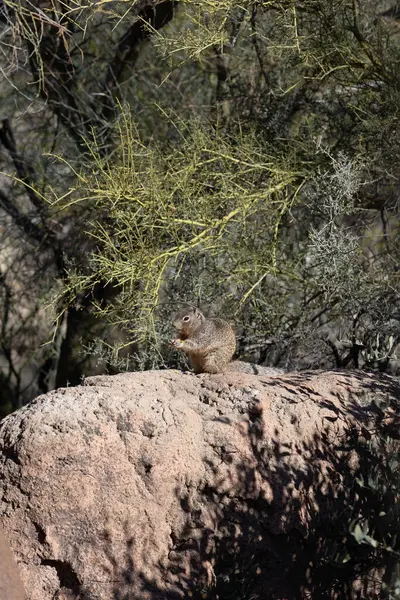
x=176 y=343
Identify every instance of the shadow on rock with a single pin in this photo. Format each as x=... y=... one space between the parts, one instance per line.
x=163 y=485
x=307 y=520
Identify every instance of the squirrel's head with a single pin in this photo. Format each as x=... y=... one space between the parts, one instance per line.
x=188 y=320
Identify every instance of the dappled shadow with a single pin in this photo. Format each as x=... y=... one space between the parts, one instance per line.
x=373 y=389
x=295 y=540
x=278 y=524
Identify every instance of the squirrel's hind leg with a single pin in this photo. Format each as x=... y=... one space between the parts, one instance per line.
x=213 y=363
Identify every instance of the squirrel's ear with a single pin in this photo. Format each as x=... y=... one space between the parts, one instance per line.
x=198 y=313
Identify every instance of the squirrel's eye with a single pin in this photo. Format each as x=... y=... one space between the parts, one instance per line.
x=186 y=319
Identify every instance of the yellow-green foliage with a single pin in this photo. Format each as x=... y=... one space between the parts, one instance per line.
x=201 y=199
x=230 y=199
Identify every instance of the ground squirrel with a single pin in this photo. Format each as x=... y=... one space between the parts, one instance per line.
x=209 y=343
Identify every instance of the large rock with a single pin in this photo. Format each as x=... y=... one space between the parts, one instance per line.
x=165 y=485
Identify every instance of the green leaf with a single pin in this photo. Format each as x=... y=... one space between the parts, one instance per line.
x=358 y=534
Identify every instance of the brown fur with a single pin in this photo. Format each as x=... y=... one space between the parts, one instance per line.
x=208 y=343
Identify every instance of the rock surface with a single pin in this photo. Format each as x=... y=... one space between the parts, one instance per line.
x=161 y=484
x=10 y=581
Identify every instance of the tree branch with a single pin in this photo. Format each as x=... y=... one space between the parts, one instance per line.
x=24 y=169
x=150 y=19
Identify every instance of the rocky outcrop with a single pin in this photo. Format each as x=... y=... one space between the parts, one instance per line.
x=167 y=485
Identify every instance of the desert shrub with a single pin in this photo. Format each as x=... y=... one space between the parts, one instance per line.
x=240 y=156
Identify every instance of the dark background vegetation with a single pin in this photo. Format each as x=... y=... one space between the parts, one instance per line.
x=243 y=157
x=240 y=156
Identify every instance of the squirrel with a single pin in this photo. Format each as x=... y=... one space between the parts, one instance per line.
x=209 y=343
